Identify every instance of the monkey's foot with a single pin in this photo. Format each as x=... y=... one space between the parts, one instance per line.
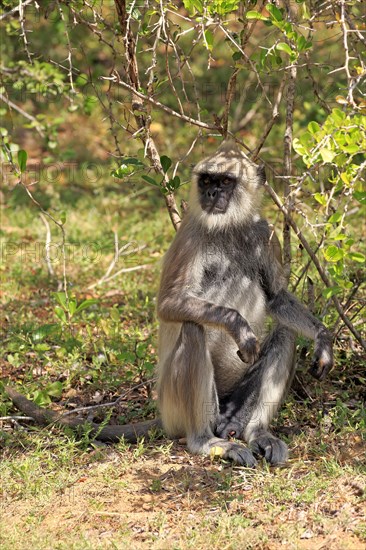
x=270 y=447
x=232 y=451
x=229 y=427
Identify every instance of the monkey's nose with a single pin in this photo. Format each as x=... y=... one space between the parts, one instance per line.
x=211 y=194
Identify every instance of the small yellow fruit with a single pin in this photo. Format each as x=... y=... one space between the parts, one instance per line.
x=217 y=452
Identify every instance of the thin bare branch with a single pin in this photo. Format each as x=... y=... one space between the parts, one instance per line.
x=230 y=91
x=270 y=123
x=47 y=244
x=26 y=115
x=116 y=78
x=287 y=166
x=19 y=7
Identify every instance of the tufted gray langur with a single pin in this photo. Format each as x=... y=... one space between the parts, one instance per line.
x=220 y=375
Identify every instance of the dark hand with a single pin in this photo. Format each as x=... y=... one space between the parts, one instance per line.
x=323 y=357
x=249 y=351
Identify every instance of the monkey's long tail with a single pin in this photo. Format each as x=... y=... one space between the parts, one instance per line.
x=45 y=417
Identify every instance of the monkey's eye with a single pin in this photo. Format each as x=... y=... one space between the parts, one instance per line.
x=226 y=181
x=206 y=181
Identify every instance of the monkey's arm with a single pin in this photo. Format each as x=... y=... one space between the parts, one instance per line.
x=287 y=310
x=178 y=307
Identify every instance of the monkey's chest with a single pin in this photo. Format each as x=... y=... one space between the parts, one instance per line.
x=233 y=281
x=219 y=271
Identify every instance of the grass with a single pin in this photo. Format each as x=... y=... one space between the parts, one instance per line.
x=63 y=490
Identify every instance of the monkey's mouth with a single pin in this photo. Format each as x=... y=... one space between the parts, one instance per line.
x=214 y=209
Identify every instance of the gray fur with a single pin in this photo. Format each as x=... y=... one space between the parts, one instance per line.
x=221 y=278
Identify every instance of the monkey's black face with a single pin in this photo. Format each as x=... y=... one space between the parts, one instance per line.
x=215 y=192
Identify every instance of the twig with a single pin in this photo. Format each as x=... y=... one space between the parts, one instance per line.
x=270 y=123
x=110 y=403
x=229 y=97
x=18 y=8
x=287 y=168
x=63 y=239
x=24 y=33
x=69 y=55
x=116 y=78
x=348 y=301
x=118 y=252
x=124 y=270
x=12 y=105
x=350 y=79
x=306 y=267
x=16 y=418
x=247 y=58
x=47 y=244
x=137 y=106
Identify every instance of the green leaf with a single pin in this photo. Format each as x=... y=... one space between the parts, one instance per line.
x=22 y=160
x=132 y=160
x=174 y=183
x=54 y=389
x=85 y=304
x=41 y=398
x=150 y=180
x=321 y=199
x=345 y=178
x=301 y=43
x=357 y=257
x=327 y=154
x=298 y=147
x=165 y=163
x=338 y=116
x=61 y=314
x=333 y=254
x=360 y=196
x=193 y=5
x=256 y=15
x=313 y=127
x=63 y=217
x=331 y=291
x=61 y=299
x=283 y=47
x=122 y=171
x=42 y=347
x=209 y=37
x=335 y=218
x=72 y=306
x=275 y=12
x=237 y=56
x=352 y=149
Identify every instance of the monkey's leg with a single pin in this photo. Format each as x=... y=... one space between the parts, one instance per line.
x=248 y=411
x=188 y=398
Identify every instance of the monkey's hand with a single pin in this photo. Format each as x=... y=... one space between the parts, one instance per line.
x=323 y=355
x=249 y=350
x=245 y=339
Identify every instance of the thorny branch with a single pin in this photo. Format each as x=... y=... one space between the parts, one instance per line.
x=117 y=79
x=129 y=42
x=287 y=165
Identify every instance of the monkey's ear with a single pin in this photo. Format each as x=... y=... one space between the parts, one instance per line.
x=261 y=173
